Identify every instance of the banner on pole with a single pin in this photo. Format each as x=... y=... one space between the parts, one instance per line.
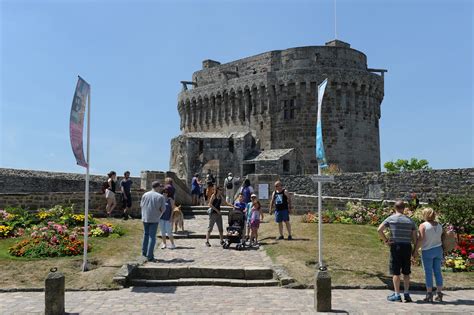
x=320 y=154
x=76 y=122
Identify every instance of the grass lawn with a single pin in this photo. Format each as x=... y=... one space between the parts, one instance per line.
x=106 y=257
x=353 y=253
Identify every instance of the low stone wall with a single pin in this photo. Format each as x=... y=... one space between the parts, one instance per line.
x=389 y=186
x=97 y=202
x=183 y=193
x=309 y=203
x=28 y=181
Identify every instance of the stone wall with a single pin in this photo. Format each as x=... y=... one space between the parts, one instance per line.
x=17 y=180
x=309 y=203
x=38 y=189
x=182 y=194
x=389 y=186
x=97 y=202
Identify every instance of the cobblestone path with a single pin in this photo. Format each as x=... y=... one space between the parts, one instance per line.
x=225 y=300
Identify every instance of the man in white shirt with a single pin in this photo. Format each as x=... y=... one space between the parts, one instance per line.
x=153 y=204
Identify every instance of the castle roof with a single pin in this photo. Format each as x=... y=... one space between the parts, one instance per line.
x=267 y=155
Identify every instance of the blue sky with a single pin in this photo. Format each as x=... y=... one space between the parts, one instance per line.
x=134 y=53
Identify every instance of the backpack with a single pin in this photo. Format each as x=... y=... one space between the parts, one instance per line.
x=229 y=185
x=104 y=187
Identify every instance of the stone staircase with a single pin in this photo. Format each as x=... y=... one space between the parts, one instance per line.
x=190 y=211
x=193 y=263
x=149 y=275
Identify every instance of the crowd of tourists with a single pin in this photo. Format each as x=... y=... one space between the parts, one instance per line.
x=404 y=240
x=157 y=209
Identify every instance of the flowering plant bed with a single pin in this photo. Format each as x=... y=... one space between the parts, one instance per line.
x=462 y=257
x=52 y=240
x=51 y=232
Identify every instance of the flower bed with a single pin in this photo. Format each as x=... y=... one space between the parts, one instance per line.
x=462 y=257
x=51 y=233
x=52 y=240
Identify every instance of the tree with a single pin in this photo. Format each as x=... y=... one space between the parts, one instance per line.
x=405 y=165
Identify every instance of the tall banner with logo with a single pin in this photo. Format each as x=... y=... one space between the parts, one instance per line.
x=76 y=126
x=320 y=155
x=76 y=121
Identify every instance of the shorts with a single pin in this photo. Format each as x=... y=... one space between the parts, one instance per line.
x=254 y=224
x=109 y=194
x=196 y=191
x=400 y=259
x=215 y=218
x=127 y=203
x=282 y=216
x=165 y=227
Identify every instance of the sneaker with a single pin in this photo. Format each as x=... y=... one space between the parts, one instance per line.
x=407 y=298
x=394 y=298
x=172 y=246
x=280 y=237
x=208 y=244
x=163 y=246
x=290 y=238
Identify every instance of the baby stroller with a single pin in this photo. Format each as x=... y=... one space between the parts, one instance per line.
x=235 y=230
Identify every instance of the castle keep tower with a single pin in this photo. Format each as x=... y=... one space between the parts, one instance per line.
x=258 y=114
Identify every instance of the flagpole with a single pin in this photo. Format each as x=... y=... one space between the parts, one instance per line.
x=335 y=20
x=86 y=203
x=320 y=226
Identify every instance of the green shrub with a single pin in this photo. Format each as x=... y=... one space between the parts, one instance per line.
x=457 y=211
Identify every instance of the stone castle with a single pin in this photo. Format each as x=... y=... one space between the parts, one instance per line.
x=258 y=114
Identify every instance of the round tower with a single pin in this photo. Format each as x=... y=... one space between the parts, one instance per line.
x=273 y=96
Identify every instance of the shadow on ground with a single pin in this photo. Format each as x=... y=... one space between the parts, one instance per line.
x=166 y=290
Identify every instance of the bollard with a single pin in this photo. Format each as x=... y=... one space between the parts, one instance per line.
x=322 y=291
x=54 y=293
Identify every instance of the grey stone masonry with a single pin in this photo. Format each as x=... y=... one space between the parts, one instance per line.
x=29 y=181
x=376 y=185
x=273 y=97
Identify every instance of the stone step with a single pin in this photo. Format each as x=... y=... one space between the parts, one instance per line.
x=153 y=272
x=201 y=210
x=204 y=281
x=188 y=235
x=184 y=207
x=188 y=214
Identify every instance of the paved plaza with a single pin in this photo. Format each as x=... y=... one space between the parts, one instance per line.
x=225 y=300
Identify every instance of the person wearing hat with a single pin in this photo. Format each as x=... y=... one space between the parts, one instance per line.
x=229 y=184
x=153 y=205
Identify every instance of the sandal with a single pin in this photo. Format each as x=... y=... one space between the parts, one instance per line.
x=222 y=242
x=428 y=297
x=208 y=244
x=439 y=297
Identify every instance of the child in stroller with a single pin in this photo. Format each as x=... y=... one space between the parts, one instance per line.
x=236 y=228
